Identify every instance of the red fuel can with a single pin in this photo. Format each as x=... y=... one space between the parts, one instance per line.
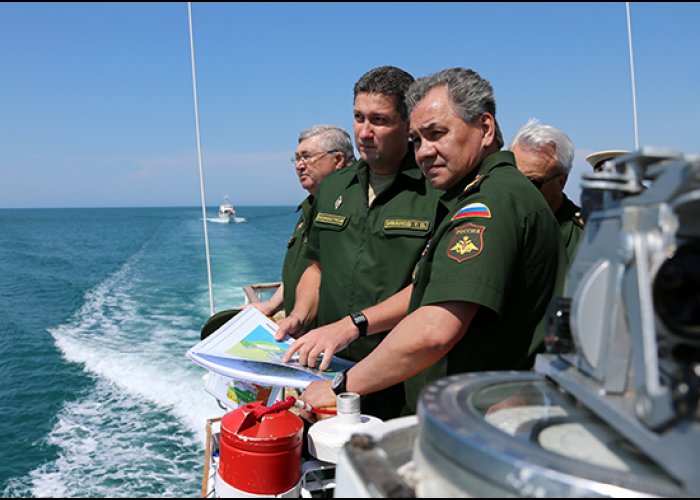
x=260 y=457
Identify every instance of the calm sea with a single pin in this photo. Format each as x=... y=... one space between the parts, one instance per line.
x=97 y=310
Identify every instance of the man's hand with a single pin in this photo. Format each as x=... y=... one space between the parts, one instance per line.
x=326 y=340
x=271 y=305
x=264 y=307
x=319 y=394
x=290 y=326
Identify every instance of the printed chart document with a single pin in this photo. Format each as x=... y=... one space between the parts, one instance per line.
x=244 y=348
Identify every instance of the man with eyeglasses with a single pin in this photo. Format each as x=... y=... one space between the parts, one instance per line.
x=545 y=155
x=371 y=222
x=322 y=150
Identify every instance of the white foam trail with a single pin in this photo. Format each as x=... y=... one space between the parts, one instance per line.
x=115 y=445
x=114 y=341
x=171 y=387
x=225 y=221
x=140 y=432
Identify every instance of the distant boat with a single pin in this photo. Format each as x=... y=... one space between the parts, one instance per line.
x=226 y=211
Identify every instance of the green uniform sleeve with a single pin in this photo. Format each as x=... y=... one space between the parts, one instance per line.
x=312 y=247
x=474 y=259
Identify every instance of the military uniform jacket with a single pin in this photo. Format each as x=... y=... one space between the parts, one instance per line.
x=497 y=245
x=295 y=262
x=571 y=229
x=367 y=254
x=570 y=225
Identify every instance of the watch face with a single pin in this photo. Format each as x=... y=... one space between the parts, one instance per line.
x=360 y=321
x=359 y=318
x=338 y=380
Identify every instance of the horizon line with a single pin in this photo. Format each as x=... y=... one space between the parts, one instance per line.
x=137 y=206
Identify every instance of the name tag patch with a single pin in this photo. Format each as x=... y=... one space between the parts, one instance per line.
x=334 y=220
x=410 y=224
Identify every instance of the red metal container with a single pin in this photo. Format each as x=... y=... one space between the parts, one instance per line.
x=260 y=457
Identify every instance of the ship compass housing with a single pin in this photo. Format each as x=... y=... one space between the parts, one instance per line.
x=627 y=332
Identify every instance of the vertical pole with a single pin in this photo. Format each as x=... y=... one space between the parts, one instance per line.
x=634 y=88
x=199 y=158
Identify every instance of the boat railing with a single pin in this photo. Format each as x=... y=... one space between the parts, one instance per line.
x=260 y=292
x=213 y=430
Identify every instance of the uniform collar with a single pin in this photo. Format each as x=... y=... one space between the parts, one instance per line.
x=568 y=210
x=407 y=168
x=309 y=200
x=480 y=172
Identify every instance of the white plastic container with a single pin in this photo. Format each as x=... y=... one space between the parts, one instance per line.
x=327 y=437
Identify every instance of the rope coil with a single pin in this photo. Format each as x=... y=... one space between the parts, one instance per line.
x=288 y=403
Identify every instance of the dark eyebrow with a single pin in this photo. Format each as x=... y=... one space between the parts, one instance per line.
x=378 y=114
x=427 y=127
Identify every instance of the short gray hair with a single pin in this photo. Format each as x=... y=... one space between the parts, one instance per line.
x=534 y=135
x=332 y=138
x=470 y=94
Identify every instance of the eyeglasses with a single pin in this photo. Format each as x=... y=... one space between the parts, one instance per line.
x=538 y=183
x=308 y=158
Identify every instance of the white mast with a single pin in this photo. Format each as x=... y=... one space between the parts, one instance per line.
x=199 y=157
x=634 y=91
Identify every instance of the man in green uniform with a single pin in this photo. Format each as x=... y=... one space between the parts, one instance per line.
x=545 y=155
x=322 y=150
x=370 y=223
x=489 y=270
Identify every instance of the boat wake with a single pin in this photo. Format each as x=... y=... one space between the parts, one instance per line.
x=143 y=417
x=225 y=221
x=112 y=444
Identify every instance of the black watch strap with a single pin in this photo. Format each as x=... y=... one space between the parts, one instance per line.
x=360 y=321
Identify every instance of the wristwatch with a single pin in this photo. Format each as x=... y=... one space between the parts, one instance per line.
x=339 y=382
x=360 y=321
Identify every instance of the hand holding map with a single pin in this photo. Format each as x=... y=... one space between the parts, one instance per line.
x=245 y=348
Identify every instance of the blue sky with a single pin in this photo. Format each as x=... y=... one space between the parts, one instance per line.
x=97 y=106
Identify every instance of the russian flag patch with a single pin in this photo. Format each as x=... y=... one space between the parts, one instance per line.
x=473 y=210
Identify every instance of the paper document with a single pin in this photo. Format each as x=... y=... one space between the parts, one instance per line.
x=244 y=348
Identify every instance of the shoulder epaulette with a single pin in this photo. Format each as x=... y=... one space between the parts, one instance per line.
x=475 y=183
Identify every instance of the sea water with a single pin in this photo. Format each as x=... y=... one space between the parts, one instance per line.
x=97 y=310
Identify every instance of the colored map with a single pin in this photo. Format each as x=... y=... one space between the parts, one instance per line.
x=259 y=345
x=245 y=349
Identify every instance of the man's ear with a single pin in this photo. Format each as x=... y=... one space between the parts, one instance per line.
x=562 y=181
x=339 y=159
x=487 y=123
